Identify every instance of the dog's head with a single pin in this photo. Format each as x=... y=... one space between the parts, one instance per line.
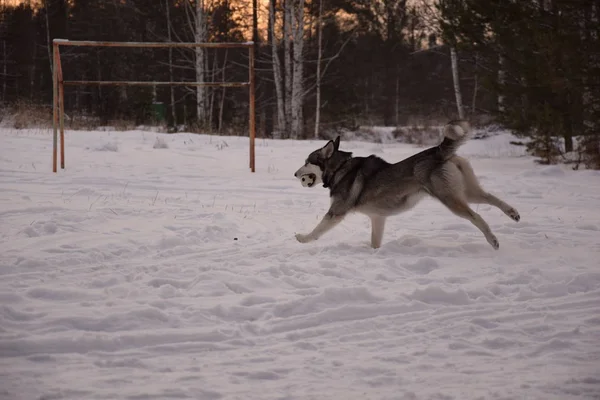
x=317 y=163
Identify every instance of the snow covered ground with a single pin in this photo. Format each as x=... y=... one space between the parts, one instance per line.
x=159 y=271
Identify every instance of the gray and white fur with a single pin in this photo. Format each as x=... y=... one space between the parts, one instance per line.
x=378 y=189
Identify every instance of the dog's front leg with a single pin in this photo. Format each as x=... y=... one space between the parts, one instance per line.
x=327 y=223
x=377 y=227
x=337 y=211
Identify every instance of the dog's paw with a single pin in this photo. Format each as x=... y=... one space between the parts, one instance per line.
x=513 y=214
x=303 y=238
x=494 y=242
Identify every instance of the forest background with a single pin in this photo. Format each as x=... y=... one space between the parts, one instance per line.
x=322 y=66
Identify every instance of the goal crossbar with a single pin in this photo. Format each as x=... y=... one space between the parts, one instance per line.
x=94 y=43
x=59 y=83
x=152 y=83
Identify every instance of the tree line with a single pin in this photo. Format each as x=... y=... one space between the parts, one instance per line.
x=531 y=65
x=542 y=58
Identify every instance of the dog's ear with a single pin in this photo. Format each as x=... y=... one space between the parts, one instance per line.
x=328 y=149
x=336 y=143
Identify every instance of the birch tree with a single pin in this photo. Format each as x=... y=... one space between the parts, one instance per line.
x=297 y=100
x=200 y=36
x=224 y=89
x=475 y=87
x=501 y=82
x=281 y=126
x=287 y=62
x=319 y=57
x=455 y=80
x=5 y=72
x=197 y=22
x=169 y=37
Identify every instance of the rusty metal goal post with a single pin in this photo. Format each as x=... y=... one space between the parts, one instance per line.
x=59 y=86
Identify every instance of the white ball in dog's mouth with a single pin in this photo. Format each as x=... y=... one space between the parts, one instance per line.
x=308 y=180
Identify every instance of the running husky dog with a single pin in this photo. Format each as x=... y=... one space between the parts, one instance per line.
x=374 y=187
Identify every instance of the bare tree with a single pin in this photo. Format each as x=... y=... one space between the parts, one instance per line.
x=319 y=57
x=169 y=29
x=287 y=62
x=49 y=43
x=224 y=89
x=276 y=69
x=197 y=22
x=4 y=71
x=501 y=81
x=475 y=86
x=213 y=75
x=200 y=36
x=298 y=71
x=4 y=53
x=255 y=36
x=457 y=93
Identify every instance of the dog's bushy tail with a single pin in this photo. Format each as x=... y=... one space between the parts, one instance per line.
x=455 y=134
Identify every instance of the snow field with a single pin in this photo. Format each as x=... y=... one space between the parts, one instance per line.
x=148 y=271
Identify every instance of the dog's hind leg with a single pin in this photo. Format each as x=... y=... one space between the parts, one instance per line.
x=462 y=209
x=448 y=184
x=377 y=227
x=476 y=194
x=488 y=198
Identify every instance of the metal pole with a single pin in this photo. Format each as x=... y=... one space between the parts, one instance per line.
x=92 y=43
x=54 y=108
x=61 y=97
x=151 y=83
x=252 y=122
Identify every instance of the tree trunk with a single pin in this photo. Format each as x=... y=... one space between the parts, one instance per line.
x=32 y=71
x=297 y=80
x=262 y=91
x=255 y=22
x=222 y=105
x=392 y=38
x=397 y=103
x=276 y=71
x=501 y=81
x=475 y=88
x=287 y=62
x=319 y=57
x=200 y=37
x=48 y=41
x=4 y=71
x=172 y=88
x=100 y=97
x=213 y=93
x=457 y=94
x=568 y=137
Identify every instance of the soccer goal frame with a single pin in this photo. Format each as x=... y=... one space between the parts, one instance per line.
x=58 y=108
